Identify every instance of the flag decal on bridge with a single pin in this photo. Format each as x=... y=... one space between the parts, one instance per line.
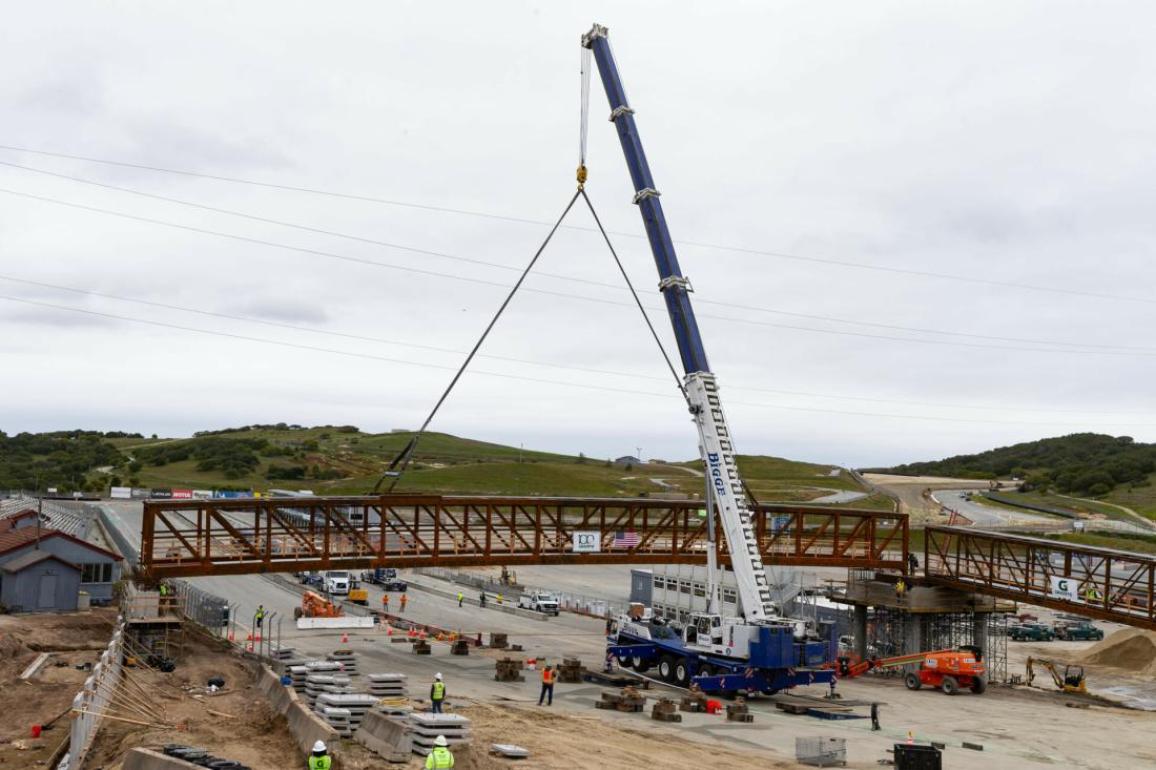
x=626 y=539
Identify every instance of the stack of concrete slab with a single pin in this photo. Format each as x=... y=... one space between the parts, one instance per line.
x=386 y=685
x=347 y=659
x=427 y=727
x=318 y=684
x=300 y=673
x=356 y=703
x=284 y=653
x=339 y=719
x=390 y=737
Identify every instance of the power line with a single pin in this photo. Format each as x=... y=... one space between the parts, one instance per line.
x=565 y=383
x=569 y=296
x=559 y=276
x=522 y=220
x=511 y=359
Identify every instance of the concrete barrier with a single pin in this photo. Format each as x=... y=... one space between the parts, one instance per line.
x=509 y=609
x=342 y=622
x=305 y=726
x=146 y=759
x=386 y=736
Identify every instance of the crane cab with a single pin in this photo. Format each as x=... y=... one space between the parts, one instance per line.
x=704 y=630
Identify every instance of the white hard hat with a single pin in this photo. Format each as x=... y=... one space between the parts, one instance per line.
x=438 y=675
x=319 y=746
x=441 y=741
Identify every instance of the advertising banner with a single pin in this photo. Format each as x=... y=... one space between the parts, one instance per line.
x=202 y=494
x=1064 y=588
x=182 y=494
x=120 y=493
x=162 y=494
x=587 y=542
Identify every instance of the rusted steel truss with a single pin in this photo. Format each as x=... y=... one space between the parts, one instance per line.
x=231 y=537
x=1095 y=582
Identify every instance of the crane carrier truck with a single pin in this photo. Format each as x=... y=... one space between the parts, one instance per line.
x=759 y=651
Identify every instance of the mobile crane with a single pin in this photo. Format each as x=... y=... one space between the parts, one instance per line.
x=761 y=651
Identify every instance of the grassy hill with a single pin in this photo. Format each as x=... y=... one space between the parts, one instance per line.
x=344 y=460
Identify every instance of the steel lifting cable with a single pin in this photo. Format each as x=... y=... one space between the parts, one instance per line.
x=402 y=461
x=633 y=293
x=584 y=64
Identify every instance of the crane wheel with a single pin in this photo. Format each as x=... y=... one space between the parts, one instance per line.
x=681 y=674
x=978 y=686
x=912 y=681
x=950 y=685
x=640 y=665
x=666 y=668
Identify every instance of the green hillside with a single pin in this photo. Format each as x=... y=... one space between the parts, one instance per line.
x=344 y=460
x=1082 y=464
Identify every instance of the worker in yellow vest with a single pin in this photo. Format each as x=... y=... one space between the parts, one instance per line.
x=320 y=759
x=549 y=675
x=440 y=757
x=437 y=693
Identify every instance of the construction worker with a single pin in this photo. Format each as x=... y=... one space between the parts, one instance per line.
x=482 y=599
x=404 y=601
x=900 y=589
x=385 y=602
x=259 y=617
x=549 y=675
x=320 y=759
x=499 y=598
x=461 y=598
x=440 y=757
x=437 y=693
x=1091 y=594
x=875 y=717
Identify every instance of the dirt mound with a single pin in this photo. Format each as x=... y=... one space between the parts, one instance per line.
x=10 y=647
x=1130 y=649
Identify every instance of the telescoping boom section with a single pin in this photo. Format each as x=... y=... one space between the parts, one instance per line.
x=701 y=386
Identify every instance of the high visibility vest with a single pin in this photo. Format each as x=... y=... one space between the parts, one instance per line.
x=548 y=676
x=260 y=614
x=440 y=757
x=439 y=691
x=320 y=762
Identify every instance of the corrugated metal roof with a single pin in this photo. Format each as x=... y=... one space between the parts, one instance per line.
x=18 y=538
x=34 y=557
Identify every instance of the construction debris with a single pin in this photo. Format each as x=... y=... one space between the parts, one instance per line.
x=509 y=750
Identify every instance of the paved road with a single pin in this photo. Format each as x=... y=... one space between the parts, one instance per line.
x=985 y=515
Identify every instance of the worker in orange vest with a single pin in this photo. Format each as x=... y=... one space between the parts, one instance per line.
x=549 y=675
x=404 y=601
x=385 y=602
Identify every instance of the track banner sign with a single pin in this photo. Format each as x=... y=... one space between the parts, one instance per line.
x=120 y=493
x=587 y=542
x=1065 y=588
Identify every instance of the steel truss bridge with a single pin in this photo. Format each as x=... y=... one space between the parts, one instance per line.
x=188 y=538
x=1102 y=583
x=230 y=537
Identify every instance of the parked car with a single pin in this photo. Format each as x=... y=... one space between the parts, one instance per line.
x=539 y=601
x=1079 y=632
x=1030 y=632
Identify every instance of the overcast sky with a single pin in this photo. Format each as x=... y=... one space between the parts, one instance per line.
x=841 y=152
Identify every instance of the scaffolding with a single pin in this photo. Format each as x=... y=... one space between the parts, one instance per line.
x=893 y=631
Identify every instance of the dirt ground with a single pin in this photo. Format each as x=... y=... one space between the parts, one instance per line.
x=559 y=741
x=910 y=489
x=234 y=723
x=73 y=639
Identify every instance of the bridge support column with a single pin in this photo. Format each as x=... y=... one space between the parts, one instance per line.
x=912 y=633
x=860 y=631
x=979 y=631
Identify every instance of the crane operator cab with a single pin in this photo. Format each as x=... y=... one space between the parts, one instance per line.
x=704 y=629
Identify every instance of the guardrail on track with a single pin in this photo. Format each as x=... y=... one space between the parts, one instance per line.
x=205 y=537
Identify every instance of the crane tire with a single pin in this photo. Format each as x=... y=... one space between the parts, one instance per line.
x=666 y=668
x=950 y=685
x=978 y=685
x=681 y=673
x=640 y=665
x=912 y=682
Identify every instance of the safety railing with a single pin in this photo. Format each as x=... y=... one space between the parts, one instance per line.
x=93 y=700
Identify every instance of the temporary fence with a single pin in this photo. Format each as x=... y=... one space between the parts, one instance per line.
x=93 y=700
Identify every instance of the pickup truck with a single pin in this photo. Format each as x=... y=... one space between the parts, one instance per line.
x=539 y=601
x=1030 y=632
x=1078 y=632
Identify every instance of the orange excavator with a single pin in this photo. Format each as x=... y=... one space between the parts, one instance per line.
x=947 y=670
x=315 y=605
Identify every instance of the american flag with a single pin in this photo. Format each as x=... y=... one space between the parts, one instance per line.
x=626 y=539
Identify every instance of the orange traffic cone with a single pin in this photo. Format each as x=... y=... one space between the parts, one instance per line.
x=389 y=630
x=231 y=636
x=249 y=637
x=344 y=638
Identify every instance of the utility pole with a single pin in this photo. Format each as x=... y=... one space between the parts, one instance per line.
x=638 y=453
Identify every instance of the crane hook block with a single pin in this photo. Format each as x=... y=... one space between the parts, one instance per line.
x=581 y=175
